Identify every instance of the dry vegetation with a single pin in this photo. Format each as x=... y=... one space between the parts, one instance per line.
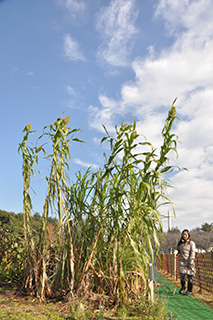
x=15 y=305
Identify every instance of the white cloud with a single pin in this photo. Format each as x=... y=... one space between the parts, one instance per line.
x=15 y=69
x=150 y=125
x=186 y=16
x=71 y=49
x=85 y=164
x=184 y=71
x=193 y=197
x=116 y=24
x=98 y=117
x=70 y=90
x=74 y=6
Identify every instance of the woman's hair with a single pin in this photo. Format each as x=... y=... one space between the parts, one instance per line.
x=182 y=240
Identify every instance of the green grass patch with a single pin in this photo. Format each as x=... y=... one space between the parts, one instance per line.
x=79 y=310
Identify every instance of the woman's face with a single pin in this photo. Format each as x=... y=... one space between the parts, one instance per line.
x=185 y=235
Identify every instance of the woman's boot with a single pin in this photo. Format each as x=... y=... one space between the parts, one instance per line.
x=183 y=283
x=190 y=286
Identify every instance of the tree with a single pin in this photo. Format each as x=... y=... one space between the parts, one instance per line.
x=207 y=227
x=175 y=230
x=203 y=240
x=12 y=221
x=169 y=241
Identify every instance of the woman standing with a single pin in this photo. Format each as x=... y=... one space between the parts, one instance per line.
x=186 y=266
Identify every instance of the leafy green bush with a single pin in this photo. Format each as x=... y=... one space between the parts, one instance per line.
x=13 y=257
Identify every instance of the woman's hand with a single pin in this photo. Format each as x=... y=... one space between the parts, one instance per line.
x=190 y=266
x=175 y=252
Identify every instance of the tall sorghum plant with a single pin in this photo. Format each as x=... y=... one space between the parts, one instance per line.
x=116 y=213
x=56 y=198
x=30 y=158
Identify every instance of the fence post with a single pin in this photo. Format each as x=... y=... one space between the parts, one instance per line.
x=175 y=275
x=199 y=278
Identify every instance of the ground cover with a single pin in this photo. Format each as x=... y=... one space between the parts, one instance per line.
x=205 y=297
x=183 y=307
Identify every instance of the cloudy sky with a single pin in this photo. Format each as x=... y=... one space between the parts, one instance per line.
x=99 y=62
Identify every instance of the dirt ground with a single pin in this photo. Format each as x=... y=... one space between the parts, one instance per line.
x=205 y=297
x=15 y=305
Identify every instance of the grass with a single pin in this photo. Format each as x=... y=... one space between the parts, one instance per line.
x=29 y=312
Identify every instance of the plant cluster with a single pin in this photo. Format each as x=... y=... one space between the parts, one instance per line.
x=12 y=245
x=109 y=220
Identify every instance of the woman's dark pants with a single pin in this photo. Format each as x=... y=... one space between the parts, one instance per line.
x=183 y=282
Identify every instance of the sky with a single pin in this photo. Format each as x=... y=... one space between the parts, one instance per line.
x=101 y=61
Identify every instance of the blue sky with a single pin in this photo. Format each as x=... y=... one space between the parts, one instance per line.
x=100 y=61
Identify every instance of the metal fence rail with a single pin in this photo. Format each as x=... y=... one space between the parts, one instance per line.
x=203 y=265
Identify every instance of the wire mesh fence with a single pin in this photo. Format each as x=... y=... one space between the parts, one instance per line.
x=203 y=265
